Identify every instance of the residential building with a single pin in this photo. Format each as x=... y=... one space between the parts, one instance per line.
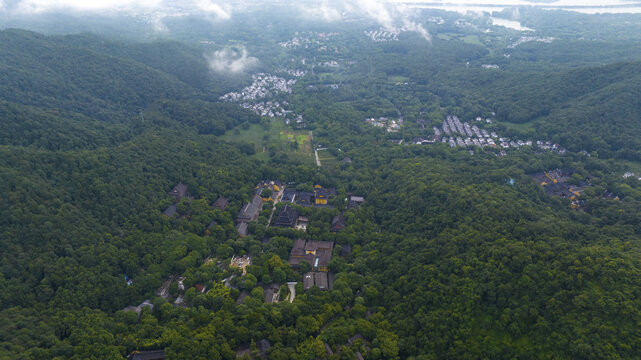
x=179 y=191
x=170 y=211
x=354 y=201
x=220 y=204
x=318 y=279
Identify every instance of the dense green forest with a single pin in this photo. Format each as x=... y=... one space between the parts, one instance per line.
x=454 y=255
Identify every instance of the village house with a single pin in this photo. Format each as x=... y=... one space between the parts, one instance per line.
x=170 y=211
x=179 y=192
x=317 y=253
x=354 y=202
x=220 y=204
x=318 y=279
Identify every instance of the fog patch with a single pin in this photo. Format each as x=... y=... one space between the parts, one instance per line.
x=213 y=10
x=231 y=60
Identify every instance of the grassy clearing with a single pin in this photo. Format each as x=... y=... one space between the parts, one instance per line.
x=445 y=36
x=278 y=136
x=471 y=39
x=398 y=79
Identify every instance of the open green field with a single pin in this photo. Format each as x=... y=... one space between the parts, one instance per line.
x=470 y=39
x=279 y=136
x=398 y=79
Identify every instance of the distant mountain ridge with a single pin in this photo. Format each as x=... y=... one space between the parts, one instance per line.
x=62 y=92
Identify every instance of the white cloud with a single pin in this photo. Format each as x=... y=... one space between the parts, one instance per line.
x=38 y=6
x=388 y=15
x=376 y=10
x=231 y=60
x=211 y=8
x=323 y=11
x=158 y=25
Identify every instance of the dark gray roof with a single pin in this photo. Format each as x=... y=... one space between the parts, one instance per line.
x=305 y=198
x=287 y=217
x=221 y=203
x=242 y=228
x=179 y=191
x=170 y=211
x=318 y=279
x=289 y=195
x=250 y=211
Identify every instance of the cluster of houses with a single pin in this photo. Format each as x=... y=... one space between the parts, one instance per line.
x=555 y=183
x=472 y=135
x=457 y=133
x=381 y=34
x=310 y=40
x=263 y=85
x=266 y=86
x=292 y=72
x=525 y=39
x=391 y=125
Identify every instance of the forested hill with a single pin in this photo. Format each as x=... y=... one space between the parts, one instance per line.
x=591 y=108
x=65 y=92
x=453 y=253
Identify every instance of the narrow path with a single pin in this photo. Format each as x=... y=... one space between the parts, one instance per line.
x=276 y=201
x=292 y=291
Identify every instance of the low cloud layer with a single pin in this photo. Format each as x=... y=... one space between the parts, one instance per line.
x=231 y=60
x=215 y=9
x=387 y=14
